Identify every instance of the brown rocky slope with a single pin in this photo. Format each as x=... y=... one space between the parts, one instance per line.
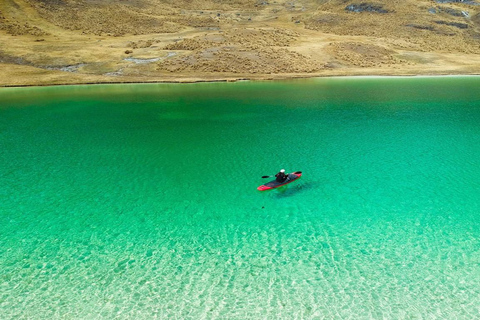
x=46 y=42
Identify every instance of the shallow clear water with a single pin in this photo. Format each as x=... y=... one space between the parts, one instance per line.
x=140 y=201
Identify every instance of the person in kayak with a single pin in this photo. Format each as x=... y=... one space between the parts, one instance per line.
x=281 y=176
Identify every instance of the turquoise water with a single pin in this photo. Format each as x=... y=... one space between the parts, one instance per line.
x=140 y=201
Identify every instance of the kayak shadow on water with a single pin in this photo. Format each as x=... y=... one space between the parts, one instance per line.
x=291 y=190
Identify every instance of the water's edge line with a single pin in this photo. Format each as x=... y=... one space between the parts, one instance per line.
x=187 y=81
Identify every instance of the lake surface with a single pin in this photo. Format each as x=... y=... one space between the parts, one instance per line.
x=140 y=201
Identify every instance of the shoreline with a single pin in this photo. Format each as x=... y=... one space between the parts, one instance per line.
x=230 y=43
x=226 y=80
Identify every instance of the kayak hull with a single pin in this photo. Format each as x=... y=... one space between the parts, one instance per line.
x=275 y=184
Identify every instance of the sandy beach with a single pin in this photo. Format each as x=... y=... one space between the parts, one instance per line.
x=52 y=42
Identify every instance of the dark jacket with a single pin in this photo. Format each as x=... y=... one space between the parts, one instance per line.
x=281 y=177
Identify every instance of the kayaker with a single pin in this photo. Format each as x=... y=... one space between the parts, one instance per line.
x=281 y=176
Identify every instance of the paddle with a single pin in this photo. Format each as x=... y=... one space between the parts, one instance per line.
x=296 y=172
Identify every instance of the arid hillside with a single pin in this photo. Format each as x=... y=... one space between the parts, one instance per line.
x=99 y=41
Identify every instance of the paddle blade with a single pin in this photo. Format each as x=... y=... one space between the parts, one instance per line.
x=266 y=177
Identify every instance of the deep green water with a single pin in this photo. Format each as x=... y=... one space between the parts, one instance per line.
x=140 y=201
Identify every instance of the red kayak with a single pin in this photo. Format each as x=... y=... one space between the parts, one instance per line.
x=275 y=184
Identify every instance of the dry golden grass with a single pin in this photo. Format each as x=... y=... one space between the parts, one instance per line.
x=84 y=41
x=103 y=17
x=15 y=28
x=364 y=55
x=413 y=23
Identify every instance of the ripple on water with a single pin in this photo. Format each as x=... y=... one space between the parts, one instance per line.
x=142 y=204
